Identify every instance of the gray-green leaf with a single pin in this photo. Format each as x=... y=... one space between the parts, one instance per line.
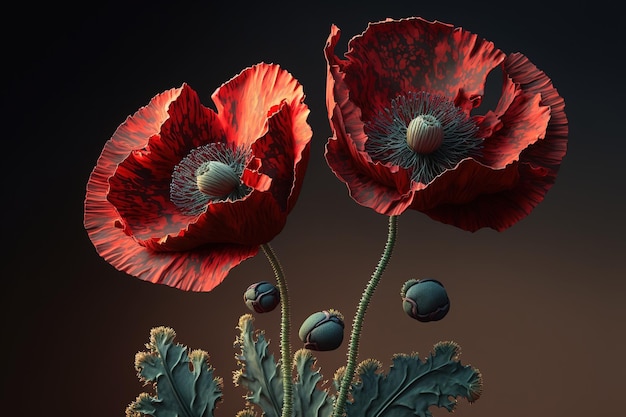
x=184 y=382
x=309 y=399
x=259 y=373
x=412 y=385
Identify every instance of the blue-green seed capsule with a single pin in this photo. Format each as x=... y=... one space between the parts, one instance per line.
x=425 y=300
x=322 y=330
x=262 y=297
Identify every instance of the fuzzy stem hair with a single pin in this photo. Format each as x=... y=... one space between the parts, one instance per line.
x=355 y=335
x=285 y=346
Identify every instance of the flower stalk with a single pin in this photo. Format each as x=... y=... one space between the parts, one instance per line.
x=355 y=334
x=285 y=346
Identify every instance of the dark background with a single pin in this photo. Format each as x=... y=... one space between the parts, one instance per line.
x=539 y=308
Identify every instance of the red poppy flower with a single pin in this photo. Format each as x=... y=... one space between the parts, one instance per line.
x=181 y=194
x=400 y=107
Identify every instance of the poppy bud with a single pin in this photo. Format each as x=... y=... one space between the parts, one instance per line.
x=322 y=330
x=262 y=297
x=425 y=300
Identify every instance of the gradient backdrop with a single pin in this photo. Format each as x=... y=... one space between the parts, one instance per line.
x=539 y=308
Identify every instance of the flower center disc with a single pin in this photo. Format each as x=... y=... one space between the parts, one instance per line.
x=424 y=134
x=216 y=179
x=208 y=174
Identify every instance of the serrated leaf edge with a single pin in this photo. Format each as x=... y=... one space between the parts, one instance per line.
x=165 y=335
x=247 y=330
x=450 y=349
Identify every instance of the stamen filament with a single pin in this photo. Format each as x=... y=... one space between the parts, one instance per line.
x=405 y=134
x=209 y=173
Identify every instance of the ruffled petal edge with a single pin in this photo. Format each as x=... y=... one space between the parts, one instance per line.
x=383 y=188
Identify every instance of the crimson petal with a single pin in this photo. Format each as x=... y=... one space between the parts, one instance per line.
x=396 y=56
x=500 y=210
x=140 y=186
x=384 y=188
x=276 y=151
x=239 y=100
x=550 y=151
x=519 y=120
x=538 y=163
x=243 y=110
x=370 y=184
x=100 y=216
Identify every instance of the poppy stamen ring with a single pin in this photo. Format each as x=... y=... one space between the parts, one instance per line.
x=208 y=174
x=423 y=133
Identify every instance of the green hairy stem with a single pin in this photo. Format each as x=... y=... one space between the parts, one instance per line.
x=360 y=315
x=285 y=347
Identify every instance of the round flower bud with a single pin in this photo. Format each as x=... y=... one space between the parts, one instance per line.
x=261 y=297
x=322 y=330
x=425 y=300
